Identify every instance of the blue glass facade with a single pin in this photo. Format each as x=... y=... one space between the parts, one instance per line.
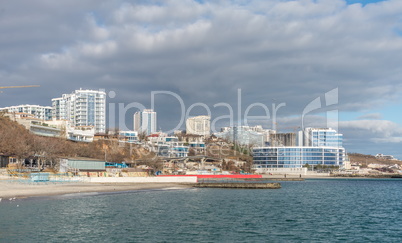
x=296 y=157
x=196 y=145
x=91 y=110
x=323 y=137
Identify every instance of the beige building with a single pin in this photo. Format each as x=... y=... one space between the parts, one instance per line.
x=199 y=125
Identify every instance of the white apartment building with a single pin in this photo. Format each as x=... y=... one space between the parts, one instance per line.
x=82 y=108
x=198 y=125
x=145 y=121
x=39 y=112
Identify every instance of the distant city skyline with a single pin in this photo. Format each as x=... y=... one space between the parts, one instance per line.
x=275 y=52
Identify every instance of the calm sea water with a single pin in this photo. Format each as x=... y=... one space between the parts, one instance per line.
x=355 y=210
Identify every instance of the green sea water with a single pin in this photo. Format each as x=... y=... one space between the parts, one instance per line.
x=347 y=210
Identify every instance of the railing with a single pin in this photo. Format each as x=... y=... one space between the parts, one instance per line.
x=27 y=177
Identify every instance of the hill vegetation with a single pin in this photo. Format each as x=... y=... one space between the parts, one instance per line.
x=18 y=142
x=364 y=160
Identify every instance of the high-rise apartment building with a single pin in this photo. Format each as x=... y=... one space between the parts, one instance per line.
x=198 y=125
x=40 y=112
x=321 y=137
x=145 y=121
x=82 y=108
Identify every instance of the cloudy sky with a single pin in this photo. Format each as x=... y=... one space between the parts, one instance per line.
x=322 y=58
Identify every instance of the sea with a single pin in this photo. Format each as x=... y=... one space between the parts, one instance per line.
x=314 y=210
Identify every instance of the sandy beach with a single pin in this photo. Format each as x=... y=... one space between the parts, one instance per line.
x=17 y=190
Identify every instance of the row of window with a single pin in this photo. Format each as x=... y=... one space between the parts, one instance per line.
x=269 y=164
x=282 y=158
x=301 y=149
x=256 y=154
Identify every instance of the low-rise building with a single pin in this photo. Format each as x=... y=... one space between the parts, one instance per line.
x=167 y=146
x=198 y=147
x=81 y=164
x=53 y=128
x=128 y=137
x=80 y=134
x=37 y=111
x=383 y=156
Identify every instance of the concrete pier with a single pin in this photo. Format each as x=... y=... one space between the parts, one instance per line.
x=239 y=185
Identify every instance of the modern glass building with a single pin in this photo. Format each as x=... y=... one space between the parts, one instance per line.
x=296 y=157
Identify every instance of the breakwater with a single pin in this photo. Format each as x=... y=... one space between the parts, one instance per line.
x=375 y=176
x=239 y=185
x=276 y=179
x=285 y=179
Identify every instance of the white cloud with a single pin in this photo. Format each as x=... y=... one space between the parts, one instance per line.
x=373 y=116
x=378 y=130
x=387 y=140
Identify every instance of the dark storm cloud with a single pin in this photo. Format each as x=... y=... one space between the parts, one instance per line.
x=274 y=51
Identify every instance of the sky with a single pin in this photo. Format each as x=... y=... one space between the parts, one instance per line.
x=293 y=64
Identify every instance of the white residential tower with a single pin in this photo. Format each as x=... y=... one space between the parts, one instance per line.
x=145 y=121
x=83 y=108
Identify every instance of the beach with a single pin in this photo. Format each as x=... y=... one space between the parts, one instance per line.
x=18 y=190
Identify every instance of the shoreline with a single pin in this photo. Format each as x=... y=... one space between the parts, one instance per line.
x=19 y=191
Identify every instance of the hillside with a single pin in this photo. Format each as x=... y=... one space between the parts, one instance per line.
x=16 y=141
x=365 y=159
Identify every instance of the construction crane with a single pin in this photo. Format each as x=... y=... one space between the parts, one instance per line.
x=25 y=86
x=12 y=87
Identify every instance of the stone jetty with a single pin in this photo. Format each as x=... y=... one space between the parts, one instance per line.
x=239 y=185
